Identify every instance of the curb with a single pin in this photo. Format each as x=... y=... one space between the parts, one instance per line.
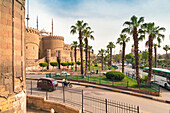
x=134 y=94
x=115 y=90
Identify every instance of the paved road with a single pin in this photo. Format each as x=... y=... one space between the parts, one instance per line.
x=146 y=105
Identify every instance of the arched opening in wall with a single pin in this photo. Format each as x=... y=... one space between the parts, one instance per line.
x=26 y=47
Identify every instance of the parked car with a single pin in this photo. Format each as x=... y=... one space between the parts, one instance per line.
x=64 y=73
x=49 y=84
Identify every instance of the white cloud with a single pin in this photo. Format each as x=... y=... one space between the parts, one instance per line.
x=105 y=17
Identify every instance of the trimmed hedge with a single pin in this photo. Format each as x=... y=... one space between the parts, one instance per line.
x=64 y=64
x=53 y=64
x=43 y=64
x=78 y=62
x=115 y=75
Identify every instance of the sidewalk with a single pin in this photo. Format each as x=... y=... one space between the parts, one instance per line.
x=165 y=96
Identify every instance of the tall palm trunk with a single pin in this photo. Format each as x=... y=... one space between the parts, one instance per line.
x=86 y=41
x=102 y=61
x=89 y=60
x=81 y=50
x=75 y=56
x=155 y=49
x=135 y=38
x=167 y=54
x=110 y=58
x=150 y=58
x=123 y=56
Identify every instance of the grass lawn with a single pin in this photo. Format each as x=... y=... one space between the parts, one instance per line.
x=103 y=80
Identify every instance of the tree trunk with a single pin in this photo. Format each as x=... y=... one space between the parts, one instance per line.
x=135 y=38
x=123 y=56
x=86 y=41
x=102 y=61
x=155 y=49
x=89 y=60
x=81 y=50
x=75 y=55
x=110 y=58
x=150 y=59
x=167 y=54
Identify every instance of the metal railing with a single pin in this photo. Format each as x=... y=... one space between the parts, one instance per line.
x=152 y=85
x=77 y=97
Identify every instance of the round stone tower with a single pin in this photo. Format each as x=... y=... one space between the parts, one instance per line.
x=31 y=46
x=12 y=71
x=55 y=43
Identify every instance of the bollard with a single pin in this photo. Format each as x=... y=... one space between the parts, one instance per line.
x=127 y=84
x=106 y=104
x=113 y=83
x=100 y=81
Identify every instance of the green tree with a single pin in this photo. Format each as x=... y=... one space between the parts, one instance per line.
x=155 y=51
x=89 y=50
x=64 y=64
x=74 y=46
x=132 y=28
x=101 y=53
x=122 y=40
x=110 y=46
x=166 y=48
x=152 y=31
x=87 y=33
x=53 y=64
x=43 y=64
x=145 y=55
x=80 y=27
x=129 y=58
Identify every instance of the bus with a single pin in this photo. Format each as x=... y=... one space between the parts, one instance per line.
x=160 y=76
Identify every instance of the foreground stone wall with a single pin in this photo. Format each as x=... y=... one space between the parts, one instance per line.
x=47 y=105
x=12 y=71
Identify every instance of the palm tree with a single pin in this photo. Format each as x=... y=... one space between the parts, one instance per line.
x=74 y=46
x=132 y=29
x=89 y=49
x=79 y=27
x=155 y=51
x=87 y=34
x=122 y=41
x=110 y=46
x=166 y=48
x=101 y=53
x=152 y=31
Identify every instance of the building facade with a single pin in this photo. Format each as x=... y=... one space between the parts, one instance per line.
x=39 y=43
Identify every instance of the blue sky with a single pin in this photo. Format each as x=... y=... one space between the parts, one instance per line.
x=105 y=17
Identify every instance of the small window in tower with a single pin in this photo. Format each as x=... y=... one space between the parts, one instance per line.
x=26 y=47
x=33 y=47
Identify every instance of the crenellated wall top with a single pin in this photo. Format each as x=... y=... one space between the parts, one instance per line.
x=32 y=30
x=53 y=37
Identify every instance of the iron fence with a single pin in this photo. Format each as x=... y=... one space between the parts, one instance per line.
x=152 y=85
x=77 y=97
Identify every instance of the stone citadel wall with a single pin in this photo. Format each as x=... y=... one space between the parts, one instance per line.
x=12 y=71
x=31 y=46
